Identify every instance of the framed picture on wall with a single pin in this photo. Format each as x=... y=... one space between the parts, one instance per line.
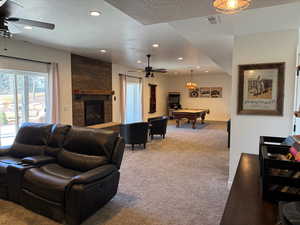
x=216 y=92
x=204 y=92
x=261 y=89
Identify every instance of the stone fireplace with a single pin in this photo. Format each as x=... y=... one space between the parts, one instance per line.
x=92 y=91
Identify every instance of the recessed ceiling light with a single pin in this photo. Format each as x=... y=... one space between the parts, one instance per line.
x=155 y=45
x=198 y=67
x=27 y=27
x=139 y=61
x=95 y=13
x=206 y=71
x=180 y=58
x=103 y=51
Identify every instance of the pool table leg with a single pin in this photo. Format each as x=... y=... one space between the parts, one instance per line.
x=203 y=118
x=177 y=123
x=194 y=124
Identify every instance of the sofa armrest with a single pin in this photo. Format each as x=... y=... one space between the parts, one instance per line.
x=38 y=160
x=94 y=174
x=4 y=150
x=118 y=152
x=15 y=175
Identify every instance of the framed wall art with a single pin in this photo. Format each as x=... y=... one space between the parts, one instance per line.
x=216 y=92
x=261 y=89
x=204 y=92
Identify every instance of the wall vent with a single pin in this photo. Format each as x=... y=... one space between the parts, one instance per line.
x=214 y=19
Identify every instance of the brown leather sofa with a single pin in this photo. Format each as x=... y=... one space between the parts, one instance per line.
x=31 y=140
x=71 y=173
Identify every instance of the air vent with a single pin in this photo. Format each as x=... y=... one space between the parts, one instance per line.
x=214 y=19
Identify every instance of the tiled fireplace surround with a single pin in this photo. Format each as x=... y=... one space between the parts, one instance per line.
x=90 y=74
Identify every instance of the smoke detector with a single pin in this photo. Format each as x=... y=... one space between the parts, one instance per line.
x=214 y=19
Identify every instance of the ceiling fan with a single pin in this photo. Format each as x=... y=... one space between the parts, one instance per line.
x=9 y=8
x=150 y=70
x=2 y=2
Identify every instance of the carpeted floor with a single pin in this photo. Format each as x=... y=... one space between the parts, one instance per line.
x=181 y=180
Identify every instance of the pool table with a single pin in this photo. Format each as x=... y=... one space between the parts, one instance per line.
x=191 y=115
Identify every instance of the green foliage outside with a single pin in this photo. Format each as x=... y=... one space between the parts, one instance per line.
x=3 y=119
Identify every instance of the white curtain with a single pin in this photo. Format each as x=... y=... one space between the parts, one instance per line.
x=54 y=93
x=142 y=90
x=131 y=99
x=123 y=82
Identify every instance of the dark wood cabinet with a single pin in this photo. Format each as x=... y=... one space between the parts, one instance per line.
x=245 y=205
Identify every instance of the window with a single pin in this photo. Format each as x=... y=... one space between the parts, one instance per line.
x=133 y=101
x=23 y=98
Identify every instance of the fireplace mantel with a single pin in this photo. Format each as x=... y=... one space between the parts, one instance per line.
x=93 y=92
x=80 y=93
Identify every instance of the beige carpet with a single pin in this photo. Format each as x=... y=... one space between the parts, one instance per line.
x=181 y=180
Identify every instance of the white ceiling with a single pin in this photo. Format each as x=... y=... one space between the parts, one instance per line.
x=162 y=11
x=216 y=41
x=127 y=40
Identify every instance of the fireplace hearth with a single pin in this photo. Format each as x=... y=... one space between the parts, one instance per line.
x=94 y=112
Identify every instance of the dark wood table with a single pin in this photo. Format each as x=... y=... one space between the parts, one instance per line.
x=191 y=115
x=245 y=205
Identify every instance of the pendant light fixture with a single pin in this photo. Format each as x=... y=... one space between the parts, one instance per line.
x=191 y=85
x=231 y=6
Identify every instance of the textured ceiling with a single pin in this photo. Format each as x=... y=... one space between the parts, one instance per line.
x=126 y=40
x=161 y=11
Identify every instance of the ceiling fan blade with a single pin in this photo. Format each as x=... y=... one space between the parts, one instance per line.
x=33 y=23
x=2 y=2
x=9 y=8
x=160 y=70
x=13 y=28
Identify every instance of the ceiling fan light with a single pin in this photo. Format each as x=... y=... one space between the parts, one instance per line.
x=231 y=6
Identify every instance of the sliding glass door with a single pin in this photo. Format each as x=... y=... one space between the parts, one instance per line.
x=133 y=101
x=23 y=98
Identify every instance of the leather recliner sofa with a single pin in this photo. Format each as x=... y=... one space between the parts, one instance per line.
x=31 y=140
x=76 y=174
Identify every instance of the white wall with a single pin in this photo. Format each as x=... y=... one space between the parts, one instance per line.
x=219 y=107
x=34 y=52
x=161 y=92
x=262 y=48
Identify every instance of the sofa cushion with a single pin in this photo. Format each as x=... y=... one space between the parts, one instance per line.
x=56 y=139
x=31 y=140
x=33 y=134
x=91 y=141
x=23 y=150
x=80 y=162
x=48 y=181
